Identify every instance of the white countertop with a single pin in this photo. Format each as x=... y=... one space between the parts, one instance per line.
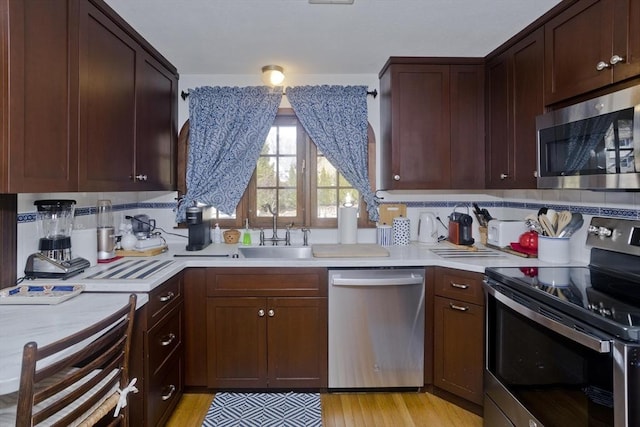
x=45 y=324
x=219 y=255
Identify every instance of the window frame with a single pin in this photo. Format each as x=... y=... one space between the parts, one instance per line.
x=306 y=179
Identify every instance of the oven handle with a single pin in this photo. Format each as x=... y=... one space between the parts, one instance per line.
x=583 y=338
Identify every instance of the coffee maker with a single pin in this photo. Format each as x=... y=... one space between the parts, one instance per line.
x=199 y=229
x=54 y=220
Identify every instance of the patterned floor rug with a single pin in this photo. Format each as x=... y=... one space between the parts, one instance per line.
x=264 y=410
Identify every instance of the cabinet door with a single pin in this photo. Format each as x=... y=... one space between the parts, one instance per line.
x=527 y=82
x=626 y=38
x=236 y=342
x=467 y=126
x=195 y=327
x=498 y=144
x=575 y=42
x=40 y=136
x=156 y=134
x=297 y=342
x=108 y=58
x=419 y=151
x=458 y=348
x=514 y=99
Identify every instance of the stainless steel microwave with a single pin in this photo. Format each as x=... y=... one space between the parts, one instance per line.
x=591 y=145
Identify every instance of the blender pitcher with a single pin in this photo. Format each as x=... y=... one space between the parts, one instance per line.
x=55 y=223
x=106 y=230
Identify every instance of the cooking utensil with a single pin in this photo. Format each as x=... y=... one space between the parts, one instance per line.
x=547 y=226
x=574 y=225
x=564 y=217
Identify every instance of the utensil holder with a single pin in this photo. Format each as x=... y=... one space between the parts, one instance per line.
x=556 y=250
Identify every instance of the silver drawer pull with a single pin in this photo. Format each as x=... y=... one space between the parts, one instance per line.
x=271 y=313
x=458 y=285
x=167 y=297
x=261 y=313
x=168 y=395
x=458 y=307
x=167 y=340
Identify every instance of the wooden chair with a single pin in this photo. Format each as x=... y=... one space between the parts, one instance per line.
x=84 y=386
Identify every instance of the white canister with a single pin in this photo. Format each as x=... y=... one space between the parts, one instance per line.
x=383 y=235
x=556 y=250
x=401 y=231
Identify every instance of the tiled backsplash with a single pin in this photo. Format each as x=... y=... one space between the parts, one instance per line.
x=510 y=204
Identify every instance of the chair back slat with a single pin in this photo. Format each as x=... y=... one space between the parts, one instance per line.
x=96 y=362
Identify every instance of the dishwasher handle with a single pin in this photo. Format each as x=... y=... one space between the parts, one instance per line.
x=408 y=279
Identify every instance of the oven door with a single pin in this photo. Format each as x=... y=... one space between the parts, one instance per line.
x=549 y=370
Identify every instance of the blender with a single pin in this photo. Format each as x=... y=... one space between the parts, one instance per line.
x=54 y=219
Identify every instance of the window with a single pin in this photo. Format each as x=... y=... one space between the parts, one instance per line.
x=292 y=176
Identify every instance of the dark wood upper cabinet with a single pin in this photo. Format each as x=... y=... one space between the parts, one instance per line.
x=514 y=98
x=128 y=110
x=590 y=45
x=91 y=106
x=38 y=146
x=432 y=123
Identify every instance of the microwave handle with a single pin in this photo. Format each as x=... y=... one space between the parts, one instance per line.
x=582 y=338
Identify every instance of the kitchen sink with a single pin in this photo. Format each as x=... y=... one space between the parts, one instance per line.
x=287 y=252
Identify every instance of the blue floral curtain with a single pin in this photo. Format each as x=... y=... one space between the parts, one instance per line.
x=335 y=117
x=227 y=129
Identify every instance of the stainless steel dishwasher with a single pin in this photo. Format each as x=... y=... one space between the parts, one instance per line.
x=376 y=328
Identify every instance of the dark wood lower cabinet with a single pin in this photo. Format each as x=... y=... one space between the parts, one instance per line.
x=256 y=328
x=157 y=355
x=266 y=342
x=459 y=333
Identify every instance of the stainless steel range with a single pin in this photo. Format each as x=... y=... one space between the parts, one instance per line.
x=563 y=343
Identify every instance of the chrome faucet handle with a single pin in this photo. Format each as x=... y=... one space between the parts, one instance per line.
x=287 y=236
x=261 y=236
x=305 y=236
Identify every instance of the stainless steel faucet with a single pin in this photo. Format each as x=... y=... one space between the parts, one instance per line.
x=274 y=239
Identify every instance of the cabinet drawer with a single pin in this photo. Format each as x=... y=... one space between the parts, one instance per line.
x=267 y=282
x=165 y=297
x=165 y=389
x=461 y=285
x=163 y=339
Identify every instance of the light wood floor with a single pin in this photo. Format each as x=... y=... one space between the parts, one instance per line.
x=355 y=410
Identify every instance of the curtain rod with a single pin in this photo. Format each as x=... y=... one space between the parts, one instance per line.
x=373 y=93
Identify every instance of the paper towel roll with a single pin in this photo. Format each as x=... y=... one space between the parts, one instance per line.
x=84 y=244
x=348 y=225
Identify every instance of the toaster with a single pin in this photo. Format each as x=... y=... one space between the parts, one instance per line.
x=502 y=233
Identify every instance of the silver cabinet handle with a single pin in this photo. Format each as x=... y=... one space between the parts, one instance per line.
x=271 y=313
x=171 y=389
x=602 y=65
x=167 y=297
x=261 y=313
x=458 y=307
x=504 y=176
x=458 y=285
x=168 y=339
x=615 y=59
x=396 y=177
x=141 y=177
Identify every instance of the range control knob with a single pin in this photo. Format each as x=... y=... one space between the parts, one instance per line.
x=600 y=231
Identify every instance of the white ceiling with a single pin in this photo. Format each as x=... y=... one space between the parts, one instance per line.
x=240 y=36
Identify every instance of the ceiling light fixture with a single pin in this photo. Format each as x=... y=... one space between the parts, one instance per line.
x=272 y=75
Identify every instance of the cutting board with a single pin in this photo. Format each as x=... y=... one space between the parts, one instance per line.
x=388 y=211
x=147 y=252
x=357 y=250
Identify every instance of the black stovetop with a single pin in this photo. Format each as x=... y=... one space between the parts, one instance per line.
x=602 y=299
